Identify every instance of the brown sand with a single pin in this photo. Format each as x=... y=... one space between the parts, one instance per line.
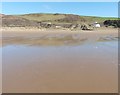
x=56 y=36
x=77 y=69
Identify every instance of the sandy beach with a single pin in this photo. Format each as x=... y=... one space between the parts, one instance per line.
x=56 y=36
x=51 y=47
x=60 y=61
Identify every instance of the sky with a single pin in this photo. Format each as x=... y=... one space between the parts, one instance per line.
x=102 y=9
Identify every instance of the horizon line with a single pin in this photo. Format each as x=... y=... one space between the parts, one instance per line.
x=61 y=14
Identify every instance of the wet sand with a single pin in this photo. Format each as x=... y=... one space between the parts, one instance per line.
x=60 y=61
x=57 y=37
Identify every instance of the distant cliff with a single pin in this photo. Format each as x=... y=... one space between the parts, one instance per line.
x=52 y=20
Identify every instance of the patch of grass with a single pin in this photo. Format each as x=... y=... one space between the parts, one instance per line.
x=54 y=17
x=42 y=17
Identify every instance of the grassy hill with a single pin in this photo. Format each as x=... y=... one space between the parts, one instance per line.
x=36 y=18
x=64 y=18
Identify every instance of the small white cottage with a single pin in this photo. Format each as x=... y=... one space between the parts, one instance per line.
x=97 y=25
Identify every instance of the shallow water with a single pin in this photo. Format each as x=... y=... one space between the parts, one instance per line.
x=86 y=68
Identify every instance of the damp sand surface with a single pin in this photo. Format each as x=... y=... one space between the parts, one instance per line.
x=56 y=37
x=85 y=62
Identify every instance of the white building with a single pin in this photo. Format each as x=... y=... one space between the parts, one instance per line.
x=97 y=25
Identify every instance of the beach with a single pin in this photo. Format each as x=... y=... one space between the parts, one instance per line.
x=51 y=47
x=60 y=61
x=56 y=36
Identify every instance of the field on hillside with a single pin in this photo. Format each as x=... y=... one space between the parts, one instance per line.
x=70 y=21
x=66 y=18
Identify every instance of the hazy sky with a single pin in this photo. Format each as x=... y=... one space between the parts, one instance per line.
x=107 y=9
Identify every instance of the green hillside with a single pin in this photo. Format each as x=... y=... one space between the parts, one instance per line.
x=64 y=18
x=53 y=20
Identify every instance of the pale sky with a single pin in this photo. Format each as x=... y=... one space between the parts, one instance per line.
x=103 y=9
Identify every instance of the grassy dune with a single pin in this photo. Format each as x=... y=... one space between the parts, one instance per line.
x=34 y=20
x=56 y=17
x=41 y=17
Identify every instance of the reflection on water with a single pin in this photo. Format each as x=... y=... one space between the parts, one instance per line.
x=81 y=68
x=54 y=40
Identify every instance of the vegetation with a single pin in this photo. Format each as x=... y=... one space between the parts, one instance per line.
x=115 y=23
x=66 y=18
x=52 y=20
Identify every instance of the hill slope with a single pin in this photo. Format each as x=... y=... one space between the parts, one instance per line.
x=64 y=18
x=36 y=19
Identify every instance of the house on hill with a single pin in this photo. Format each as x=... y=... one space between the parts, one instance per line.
x=96 y=25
